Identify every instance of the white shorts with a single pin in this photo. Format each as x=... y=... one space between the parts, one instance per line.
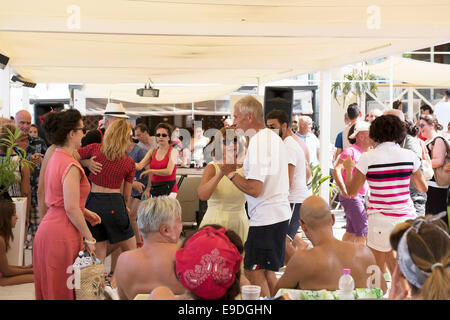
x=380 y=228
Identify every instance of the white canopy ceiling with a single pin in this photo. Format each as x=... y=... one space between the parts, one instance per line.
x=223 y=44
x=419 y=73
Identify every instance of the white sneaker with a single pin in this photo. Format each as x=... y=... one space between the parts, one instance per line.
x=111 y=293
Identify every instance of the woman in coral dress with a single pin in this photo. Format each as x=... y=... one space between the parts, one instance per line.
x=59 y=237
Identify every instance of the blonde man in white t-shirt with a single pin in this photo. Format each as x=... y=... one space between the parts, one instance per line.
x=266 y=187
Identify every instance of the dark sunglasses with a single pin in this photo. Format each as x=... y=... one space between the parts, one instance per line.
x=227 y=141
x=84 y=130
x=164 y=135
x=421 y=125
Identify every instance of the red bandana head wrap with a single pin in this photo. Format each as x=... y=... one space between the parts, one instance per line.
x=208 y=263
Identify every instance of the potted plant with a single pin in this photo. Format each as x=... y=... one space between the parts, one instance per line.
x=9 y=166
x=13 y=159
x=318 y=179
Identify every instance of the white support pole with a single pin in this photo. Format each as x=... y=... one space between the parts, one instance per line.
x=26 y=102
x=325 y=132
x=362 y=103
x=79 y=101
x=432 y=61
x=5 y=109
x=391 y=82
x=411 y=104
x=261 y=88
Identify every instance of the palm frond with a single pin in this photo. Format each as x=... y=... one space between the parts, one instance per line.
x=10 y=165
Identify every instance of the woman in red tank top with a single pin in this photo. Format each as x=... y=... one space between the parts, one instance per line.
x=162 y=160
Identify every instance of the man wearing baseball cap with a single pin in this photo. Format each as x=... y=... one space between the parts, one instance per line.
x=113 y=112
x=355 y=212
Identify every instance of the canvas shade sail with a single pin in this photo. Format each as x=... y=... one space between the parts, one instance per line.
x=221 y=44
x=419 y=73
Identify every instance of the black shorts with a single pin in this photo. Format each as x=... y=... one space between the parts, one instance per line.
x=265 y=247
x=436 y=201
x=115 y=226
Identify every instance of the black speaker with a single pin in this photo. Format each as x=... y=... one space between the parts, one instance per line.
x=281 y=98
x=40 y=109
x=3 y=61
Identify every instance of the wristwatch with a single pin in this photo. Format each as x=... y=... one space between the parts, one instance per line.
x=231 y=175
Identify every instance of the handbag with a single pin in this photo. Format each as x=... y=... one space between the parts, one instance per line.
x=427 y=168
x=163 y=188
x=92 y=281
x=442 y=178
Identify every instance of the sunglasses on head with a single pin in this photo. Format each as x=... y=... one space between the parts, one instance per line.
x=83 y=129
x=164 y=135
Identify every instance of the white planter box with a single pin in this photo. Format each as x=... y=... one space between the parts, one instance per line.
x=16 y=250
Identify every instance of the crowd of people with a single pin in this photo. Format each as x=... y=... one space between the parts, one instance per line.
x=112 y=191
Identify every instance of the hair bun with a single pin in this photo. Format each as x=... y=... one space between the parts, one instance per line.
x=58 y=124
x=51 y=122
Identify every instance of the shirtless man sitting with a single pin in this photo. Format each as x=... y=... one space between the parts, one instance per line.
x=143 y=269
x=321 y=267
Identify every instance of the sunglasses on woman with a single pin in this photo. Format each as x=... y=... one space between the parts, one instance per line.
x=227 y=141
x=422 y=125
x=164 y=135
x=83 y=129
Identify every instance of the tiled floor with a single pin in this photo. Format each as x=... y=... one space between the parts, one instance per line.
x=26 y=292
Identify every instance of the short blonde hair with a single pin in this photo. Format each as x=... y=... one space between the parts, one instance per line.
x=116 y=140
x=251 y=104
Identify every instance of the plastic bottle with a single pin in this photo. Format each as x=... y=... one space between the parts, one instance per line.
x=346 y=286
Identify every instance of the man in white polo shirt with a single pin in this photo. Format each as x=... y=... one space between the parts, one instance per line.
x=266 y=187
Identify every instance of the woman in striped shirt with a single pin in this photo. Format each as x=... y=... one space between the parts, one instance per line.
x=388 y=170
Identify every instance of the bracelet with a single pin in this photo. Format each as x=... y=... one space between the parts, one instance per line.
x=231 y=175
x=90 y=241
